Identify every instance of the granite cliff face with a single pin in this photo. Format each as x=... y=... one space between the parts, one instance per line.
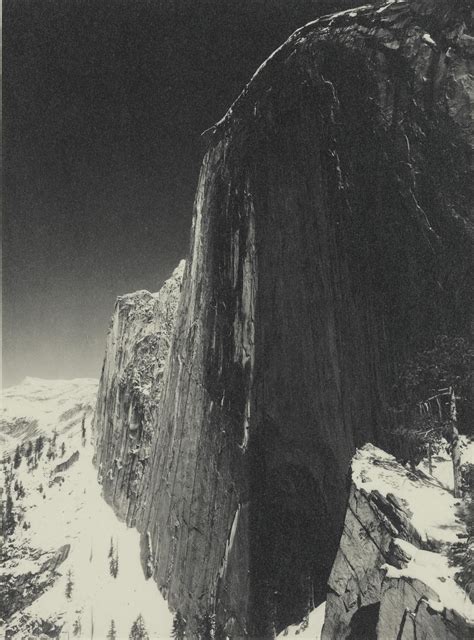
x=330 y=237
x=392 y=579
x=130 y=387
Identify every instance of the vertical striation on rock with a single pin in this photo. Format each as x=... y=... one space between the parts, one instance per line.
x=331 y=235
x=131 y=384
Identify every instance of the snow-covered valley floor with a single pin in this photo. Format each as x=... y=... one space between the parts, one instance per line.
x=100 y=586
x=76 y=514
x=85 y=597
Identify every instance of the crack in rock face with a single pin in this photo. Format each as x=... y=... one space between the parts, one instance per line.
x=332 y=234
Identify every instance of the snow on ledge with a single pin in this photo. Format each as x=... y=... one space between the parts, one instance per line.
x=434 y=571
x=430 y=507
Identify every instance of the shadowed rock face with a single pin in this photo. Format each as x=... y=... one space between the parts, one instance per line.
x=330 y=237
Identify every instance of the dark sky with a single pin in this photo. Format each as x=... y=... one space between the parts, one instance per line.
x=104 y=103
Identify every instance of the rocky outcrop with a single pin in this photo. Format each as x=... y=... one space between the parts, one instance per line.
x=330 y=238
x=25 y=575
x=130 y=387
x=392 y=579
x=66 y=464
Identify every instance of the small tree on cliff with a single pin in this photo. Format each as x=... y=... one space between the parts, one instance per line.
x=138 y=630
x=178 y=631
x=434 y=398
x=205 y=627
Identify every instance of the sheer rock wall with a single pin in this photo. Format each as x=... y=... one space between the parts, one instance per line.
x=131 y=383
x=330 y=237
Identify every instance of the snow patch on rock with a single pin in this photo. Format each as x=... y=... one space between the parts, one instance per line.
x=392 y=575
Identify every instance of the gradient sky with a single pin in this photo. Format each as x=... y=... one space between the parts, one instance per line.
x=104 y=103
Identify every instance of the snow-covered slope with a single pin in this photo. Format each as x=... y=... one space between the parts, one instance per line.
x=309 y=628
x=62 y=506
x=394 y=577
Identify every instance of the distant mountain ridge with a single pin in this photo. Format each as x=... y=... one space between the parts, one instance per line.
x=38 y=405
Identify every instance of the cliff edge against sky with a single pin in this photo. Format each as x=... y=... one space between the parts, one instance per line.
x=332 y=235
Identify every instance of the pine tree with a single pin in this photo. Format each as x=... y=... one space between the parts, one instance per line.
x=20 y=490
x=424 y=403
x=17 y=458
x=206 y=625
x=83 y=430
x=69 y=585
x=77 y=627
x=113 y=559
x=305 y=622
x=114 y=566
x=138 y=631
x=9 y=522
x=112 y=634
x=29 y=449
x=178 y=631
x=39 y=446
